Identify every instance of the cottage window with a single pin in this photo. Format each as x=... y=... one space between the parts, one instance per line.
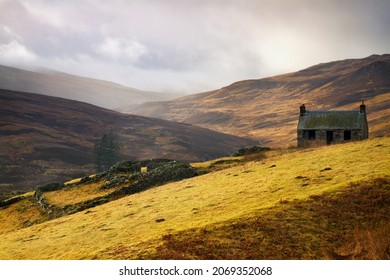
x=311 y=134
x=347 y=135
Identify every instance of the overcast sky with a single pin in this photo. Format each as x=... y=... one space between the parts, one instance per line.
x=188 y=46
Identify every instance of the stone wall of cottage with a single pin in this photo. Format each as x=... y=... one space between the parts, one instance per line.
x=321 y=136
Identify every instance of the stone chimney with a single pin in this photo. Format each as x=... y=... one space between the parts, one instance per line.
x=302 y=110
x=362 y=107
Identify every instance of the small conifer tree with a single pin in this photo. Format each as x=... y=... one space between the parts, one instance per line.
x=106 y=152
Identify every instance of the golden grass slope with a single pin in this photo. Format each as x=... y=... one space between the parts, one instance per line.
x=228 y=208
x=74 y=195
x=21 y=214
x=348 y=224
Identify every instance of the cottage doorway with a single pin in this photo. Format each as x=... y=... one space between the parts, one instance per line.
x=329 y=137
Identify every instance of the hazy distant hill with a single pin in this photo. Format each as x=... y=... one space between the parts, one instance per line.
x=97 y=92
x=267 y=109
x=46 y=138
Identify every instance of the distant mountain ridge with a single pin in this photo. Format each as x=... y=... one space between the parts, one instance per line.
x=97 y=92
x=267 y=109
x=47 y=139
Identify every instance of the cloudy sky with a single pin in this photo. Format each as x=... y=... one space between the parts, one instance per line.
x=188 y=46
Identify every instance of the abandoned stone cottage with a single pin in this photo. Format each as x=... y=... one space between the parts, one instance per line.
x=328 y=127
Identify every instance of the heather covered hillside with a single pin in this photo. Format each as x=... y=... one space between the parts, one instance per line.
x=45 y=139
x=267 y=109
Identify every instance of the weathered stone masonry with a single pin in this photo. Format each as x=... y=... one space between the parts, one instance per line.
x=330 y=127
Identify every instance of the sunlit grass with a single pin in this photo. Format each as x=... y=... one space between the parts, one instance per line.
x=76 y=194
x=20 y=214
x=74 y=181
x=127 y=227
x=216 y=164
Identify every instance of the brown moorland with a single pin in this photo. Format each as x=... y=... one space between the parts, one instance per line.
x=47 y=139
x=267 y=109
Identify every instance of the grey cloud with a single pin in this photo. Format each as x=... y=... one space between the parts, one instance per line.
x=190 y=45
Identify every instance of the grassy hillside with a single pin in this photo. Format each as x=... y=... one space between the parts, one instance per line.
x=329 y=202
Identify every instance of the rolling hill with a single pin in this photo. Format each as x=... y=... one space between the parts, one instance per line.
x=267 y=109
x=47 y=139
x=330 y=202
x=97 y=92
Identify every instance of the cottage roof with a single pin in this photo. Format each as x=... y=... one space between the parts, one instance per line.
x=331 y=120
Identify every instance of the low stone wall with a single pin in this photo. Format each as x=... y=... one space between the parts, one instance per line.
x=52 y=210
x=10 y=201
x=126 y=174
